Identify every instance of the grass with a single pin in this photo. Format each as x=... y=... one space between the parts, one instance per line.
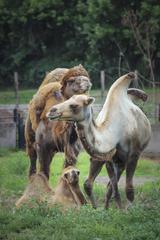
x=8 y=96
x=25 y=95
x=140 y=222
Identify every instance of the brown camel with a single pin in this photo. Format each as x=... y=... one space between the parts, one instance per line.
x=66 y=194
x=43 y=137
x=37 y=191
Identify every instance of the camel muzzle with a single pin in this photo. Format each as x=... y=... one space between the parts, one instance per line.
x=53 y=114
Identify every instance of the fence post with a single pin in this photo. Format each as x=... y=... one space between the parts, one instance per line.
x=16 y=109
x=16 y=88
x=158 y=112
x=16 y=84
x=102 y=79
x=136 y=79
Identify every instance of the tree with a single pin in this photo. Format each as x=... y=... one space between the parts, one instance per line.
x=144 y=24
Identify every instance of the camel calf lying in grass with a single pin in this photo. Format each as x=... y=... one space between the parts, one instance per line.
x=67 y=193
x=117 y=137
x=37 y=191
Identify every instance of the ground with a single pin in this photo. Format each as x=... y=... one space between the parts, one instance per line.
x=139 y=222
x=138 y=181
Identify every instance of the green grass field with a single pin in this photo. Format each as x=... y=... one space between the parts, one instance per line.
x=140 y=222
x=25 y=95
x=8 y=96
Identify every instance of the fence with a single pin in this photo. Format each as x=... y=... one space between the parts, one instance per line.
x=12 y=129
x=12 y=126
x=12 y=117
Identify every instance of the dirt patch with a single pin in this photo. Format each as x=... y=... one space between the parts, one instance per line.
x=137 y=181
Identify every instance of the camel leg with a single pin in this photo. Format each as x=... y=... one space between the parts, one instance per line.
x=79 y=194
x=70 y=156
x=33 y=159
x=30 y=145
x=130 y=170
x=45 y=157
x=95 y=168
x=114 y=185
x=119 y=167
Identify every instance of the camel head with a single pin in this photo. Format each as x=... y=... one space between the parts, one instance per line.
x=77 y=108
x=75 y=81
x=71 y=175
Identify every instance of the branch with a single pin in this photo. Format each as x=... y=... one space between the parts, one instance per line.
x=122 y=53
x=136 y=32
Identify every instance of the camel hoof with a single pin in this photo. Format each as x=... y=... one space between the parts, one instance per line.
x=128 y=205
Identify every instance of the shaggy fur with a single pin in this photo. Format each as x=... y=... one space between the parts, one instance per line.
x=37 y=191
x=38 y=107
x=73 y=72
x=57 y=136
x=67 y=192
x=54 y=76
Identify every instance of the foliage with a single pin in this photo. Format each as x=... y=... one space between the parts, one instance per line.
x=141 y=221
x=39 y=35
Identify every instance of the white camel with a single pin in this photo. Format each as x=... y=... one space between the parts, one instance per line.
x=120 y=133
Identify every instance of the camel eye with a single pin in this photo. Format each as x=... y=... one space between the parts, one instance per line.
x=78 y=172
x=75 y=108
x=70 y=82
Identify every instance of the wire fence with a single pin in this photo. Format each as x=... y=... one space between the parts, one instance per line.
x=151 y=108
x=14 y=115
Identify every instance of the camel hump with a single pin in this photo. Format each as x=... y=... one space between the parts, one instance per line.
x=43 y=100
x=136 y=94
x=37 y=191
x=54 y=76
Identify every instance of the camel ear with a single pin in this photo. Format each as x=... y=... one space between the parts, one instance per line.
x=89 y=100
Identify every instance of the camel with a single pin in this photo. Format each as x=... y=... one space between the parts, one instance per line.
x=54 y=76
x=66 y=194
x=45 y=138
x=116 y=138
x=37 y=191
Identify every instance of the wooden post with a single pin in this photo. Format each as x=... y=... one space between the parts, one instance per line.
x=102 y=79
x=16 y=83
x=136 y=79
x=158 y=112
x=15 y=111
x=119 y=63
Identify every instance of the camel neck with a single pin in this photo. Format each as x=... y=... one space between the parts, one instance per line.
x=88 y=133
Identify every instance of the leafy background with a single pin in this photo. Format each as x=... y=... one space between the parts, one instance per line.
x=39 y=35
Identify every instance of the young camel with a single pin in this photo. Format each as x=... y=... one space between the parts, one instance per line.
x=67 y=192
x=117 y=136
